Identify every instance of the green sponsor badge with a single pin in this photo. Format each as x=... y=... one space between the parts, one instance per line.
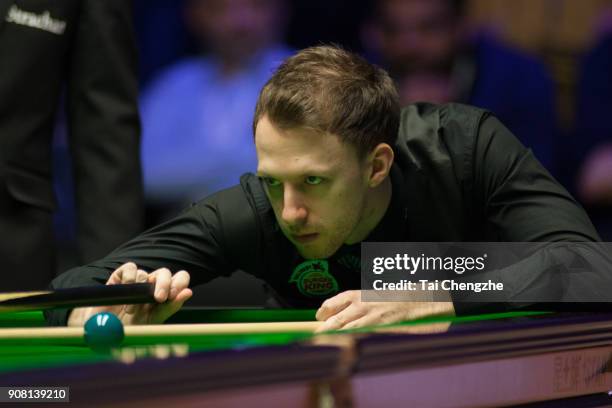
x=313 y=278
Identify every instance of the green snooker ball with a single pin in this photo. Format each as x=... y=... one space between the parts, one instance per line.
x=103 y=331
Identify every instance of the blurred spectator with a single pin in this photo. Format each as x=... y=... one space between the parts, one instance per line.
x=427 y=48
x=197 y=135
x=163 y=38
x=84 y=49
x=589 y=157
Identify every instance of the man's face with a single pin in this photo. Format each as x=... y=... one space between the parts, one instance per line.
x=317 y=187
x=417 y=35
x=236 y=27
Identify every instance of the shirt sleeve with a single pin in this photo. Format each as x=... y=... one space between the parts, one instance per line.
x=200 y=241
x=521 y=200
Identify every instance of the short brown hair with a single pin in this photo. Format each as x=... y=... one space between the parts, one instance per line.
x=331 y=90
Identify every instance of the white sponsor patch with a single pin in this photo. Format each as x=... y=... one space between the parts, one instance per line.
x=42 y=21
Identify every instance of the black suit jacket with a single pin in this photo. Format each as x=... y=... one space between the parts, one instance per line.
x=84 y=48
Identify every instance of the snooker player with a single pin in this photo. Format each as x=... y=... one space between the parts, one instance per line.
x=339 y=163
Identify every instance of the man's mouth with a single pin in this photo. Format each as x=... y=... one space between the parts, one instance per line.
x=305 y=238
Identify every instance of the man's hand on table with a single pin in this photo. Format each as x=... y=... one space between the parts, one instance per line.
x=346 y=310
x=171 y=291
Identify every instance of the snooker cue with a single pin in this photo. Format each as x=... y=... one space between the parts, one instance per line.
x=166 y=330
x=99 y=295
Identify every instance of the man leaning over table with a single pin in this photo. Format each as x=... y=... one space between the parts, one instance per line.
x=333 y=171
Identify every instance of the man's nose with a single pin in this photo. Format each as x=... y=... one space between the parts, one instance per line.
x=294 y=210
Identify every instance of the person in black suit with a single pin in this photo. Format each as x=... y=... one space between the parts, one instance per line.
x=83 y=49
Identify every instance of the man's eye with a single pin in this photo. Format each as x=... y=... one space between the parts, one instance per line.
x=272 y=182
x=313 y=180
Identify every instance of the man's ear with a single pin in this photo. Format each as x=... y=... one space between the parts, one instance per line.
x=380 y=160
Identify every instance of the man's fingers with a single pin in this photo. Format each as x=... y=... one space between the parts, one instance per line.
x=141 y=276
x=183 y=296
x=163 y=279
x=162 y=312
x=343 y=318
x=366 y=320
x=170 y=294
x=334 y=305
x=126 y=273
x=180 y=281
x=114 y=279
x=179 y=293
